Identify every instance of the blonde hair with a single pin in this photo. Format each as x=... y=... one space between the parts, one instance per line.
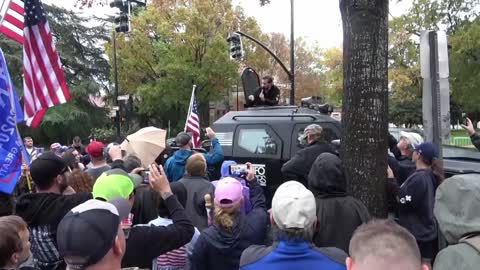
x=225 y=217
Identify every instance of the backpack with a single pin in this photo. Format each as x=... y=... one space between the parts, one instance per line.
x=472 y=241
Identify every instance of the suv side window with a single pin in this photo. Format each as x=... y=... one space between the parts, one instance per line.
x=256 y=141
x=331 y=132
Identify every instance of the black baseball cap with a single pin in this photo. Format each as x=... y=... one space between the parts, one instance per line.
x=88 y=231
x=47 y=166
x=183 y=138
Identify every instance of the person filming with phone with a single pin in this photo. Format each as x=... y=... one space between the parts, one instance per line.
x=267 y=95
x=175 y=165
x=472 y=133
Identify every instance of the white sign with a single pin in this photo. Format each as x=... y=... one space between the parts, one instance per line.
x=124 y=97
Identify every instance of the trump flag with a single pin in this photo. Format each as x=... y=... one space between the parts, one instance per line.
x=10 y=143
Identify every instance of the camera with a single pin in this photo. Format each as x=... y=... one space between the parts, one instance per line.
x=145 y=177
x=239 y=170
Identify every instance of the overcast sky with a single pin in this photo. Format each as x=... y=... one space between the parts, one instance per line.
x=318 y=21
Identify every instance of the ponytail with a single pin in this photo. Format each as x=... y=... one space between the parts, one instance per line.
x=225 y=217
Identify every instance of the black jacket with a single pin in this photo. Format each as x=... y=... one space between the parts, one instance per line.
x=42 y=212
x=476 y=140
x=272 y=97
x=338 y=214
x=298 y=167
x=146 y=242
x=197 y=188
x=216 y=249
x=416 y=198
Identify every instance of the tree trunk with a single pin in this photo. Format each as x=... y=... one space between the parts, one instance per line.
x=365 y=100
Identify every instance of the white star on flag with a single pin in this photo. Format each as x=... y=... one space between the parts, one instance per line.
x=408 y=198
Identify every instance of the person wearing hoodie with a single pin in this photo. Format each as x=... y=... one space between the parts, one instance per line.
x=416 y=198
x=220 y=246
x=175 y=165
x=456 y=209
x=44 y=210
x=338 y=213
x=293 y=218
x=225 y=172
x=197 y=187
x=298 y=167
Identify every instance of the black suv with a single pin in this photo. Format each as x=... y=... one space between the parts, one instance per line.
x=268 y=137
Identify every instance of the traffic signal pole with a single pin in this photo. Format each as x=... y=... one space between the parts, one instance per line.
x=292 y=54
x=115 y=78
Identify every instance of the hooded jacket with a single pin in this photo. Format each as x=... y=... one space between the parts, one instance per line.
x=217 y=249
x=338 y=214
x=175 y=165
x=456 y=209
x=42 y=212
x=298 y=167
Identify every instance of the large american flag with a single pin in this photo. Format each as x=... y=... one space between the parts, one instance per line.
x=44 y=80
x=11 y=14
x=192 y=124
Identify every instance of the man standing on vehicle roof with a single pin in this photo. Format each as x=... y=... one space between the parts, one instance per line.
x=299 y=166
x=267 y=95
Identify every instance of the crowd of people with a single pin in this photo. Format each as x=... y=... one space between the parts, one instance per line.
x=96 y=207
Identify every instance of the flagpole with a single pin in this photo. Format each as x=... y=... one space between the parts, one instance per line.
x=24 y=161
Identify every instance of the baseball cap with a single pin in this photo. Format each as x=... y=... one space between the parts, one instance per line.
x=412 y=137
x=310 y=130
x=293 y=206
x=182 y=139
x=47 y=166
x=228 y=192
x=95 y=149
x=427 y=150
x=115 y=183
x=88 y=231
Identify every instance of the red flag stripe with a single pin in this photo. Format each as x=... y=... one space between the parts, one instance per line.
x=30 y=36
x=34 y=88
x=14 y=21
x=11 y=34
x=17 y=8
x=55 y=60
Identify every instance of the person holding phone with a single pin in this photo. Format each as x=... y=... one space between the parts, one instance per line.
x=472 y=133
x=175 y=165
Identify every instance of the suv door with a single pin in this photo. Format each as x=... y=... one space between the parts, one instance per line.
x=262 y=146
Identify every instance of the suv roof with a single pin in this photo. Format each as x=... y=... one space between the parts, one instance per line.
x=274 y=113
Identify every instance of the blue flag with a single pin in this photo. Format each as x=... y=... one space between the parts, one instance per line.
x=11 y=146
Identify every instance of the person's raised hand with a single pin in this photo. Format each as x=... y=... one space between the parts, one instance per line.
x=251 y=98
x=469 y=127
x=137 y=170
x=250 y=172
x=210 y=133
x=159 y=182
x=115 y=152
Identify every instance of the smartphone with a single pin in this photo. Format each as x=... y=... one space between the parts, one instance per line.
x=239 y=170
x=146 y=175
x=464 y=119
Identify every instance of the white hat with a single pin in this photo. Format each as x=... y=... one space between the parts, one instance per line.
x=412 y=137
x=293 y=206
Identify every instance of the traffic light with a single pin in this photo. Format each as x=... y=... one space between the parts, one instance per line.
x=123 y=20
x=236 y=47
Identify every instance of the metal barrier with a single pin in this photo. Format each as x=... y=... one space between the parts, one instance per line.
x=461 y=141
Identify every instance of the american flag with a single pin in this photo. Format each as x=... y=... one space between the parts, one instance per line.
x=192 y=124
x=44 y=81
x=11 y=14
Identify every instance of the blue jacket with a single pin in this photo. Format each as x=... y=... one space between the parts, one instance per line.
x=292 y=255
x=175 y=165
x=416 y=198
x=217 y=249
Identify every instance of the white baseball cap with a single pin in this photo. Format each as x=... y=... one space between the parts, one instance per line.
x=293 y=206
x=412 y=137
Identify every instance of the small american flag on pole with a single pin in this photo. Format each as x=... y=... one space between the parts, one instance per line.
x=192 y=124
x=44 y=80
x=11 y=17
